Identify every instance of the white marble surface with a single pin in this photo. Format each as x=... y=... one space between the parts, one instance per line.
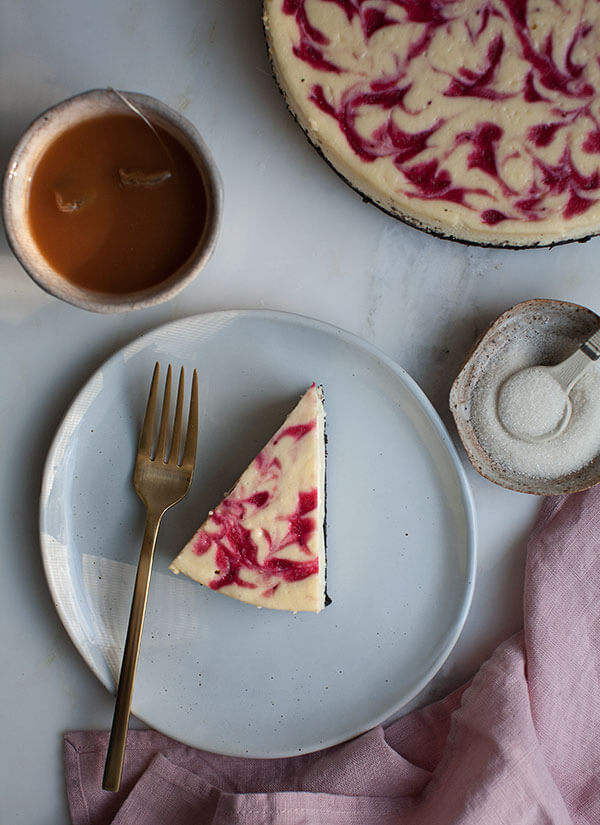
x=294 y=238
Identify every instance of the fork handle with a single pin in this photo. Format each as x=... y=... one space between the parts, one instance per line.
x=118 y=734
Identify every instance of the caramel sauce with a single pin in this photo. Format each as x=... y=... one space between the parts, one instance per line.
x=115 y=208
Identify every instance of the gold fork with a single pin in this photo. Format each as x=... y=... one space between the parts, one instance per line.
x=161 y=479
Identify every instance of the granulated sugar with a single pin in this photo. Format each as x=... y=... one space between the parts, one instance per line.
x=532 y=404
x=576 y=446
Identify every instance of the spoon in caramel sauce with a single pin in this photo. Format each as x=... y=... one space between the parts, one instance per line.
x=116 y=204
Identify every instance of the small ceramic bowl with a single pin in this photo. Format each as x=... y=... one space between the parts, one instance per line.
x=563 y=326
x=42 y=132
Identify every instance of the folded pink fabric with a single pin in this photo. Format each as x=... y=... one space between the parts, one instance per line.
x=520 y=745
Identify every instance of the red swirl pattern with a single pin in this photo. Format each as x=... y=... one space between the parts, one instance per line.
x=556 y=73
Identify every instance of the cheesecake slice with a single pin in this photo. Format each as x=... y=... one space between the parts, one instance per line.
x=265 y=542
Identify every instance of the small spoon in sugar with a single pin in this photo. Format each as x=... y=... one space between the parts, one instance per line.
x=534 y=404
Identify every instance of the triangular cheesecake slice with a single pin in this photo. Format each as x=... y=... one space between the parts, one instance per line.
x=265 y=542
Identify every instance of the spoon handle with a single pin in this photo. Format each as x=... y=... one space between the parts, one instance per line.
x=592 y=346
x=572 y=368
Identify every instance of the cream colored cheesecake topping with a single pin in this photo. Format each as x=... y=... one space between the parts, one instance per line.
x=265 y=542
x=476 y=119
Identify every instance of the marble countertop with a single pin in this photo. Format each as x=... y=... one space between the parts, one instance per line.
x=294 y=238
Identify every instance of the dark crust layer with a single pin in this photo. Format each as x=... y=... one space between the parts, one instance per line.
x=328 y=598
x=399 y=216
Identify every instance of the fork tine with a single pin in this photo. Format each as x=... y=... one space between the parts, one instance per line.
x=176 y=437
x=146 y=435
x=189 y=452
x=164 y=419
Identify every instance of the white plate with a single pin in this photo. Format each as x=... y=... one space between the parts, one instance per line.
x=218 y=674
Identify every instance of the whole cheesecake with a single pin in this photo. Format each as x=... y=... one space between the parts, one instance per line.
x=477 y=120
x=265 y=542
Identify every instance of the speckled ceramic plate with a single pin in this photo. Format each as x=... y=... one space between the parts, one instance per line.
x=563 y=326
x=222 y=675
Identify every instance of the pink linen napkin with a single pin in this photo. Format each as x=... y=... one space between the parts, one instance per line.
x=520 y=745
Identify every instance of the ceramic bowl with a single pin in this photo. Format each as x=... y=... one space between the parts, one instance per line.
x=564 y=326
x=33 y=144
